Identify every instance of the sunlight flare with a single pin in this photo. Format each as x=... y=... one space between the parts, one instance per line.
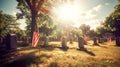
x=67 y=12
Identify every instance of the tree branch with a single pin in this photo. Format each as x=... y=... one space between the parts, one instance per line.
x=33 y=3
x=29 y=4
x=40 y=3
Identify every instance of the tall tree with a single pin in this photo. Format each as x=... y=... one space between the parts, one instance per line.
x=30 y=9
x=112 y=22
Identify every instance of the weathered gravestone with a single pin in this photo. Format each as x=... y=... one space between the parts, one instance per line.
x=100 y=40
x=81 y=43
x=71 y=38
x=25 y=41
x=11 y=42
x=95 y=41
x=46 y=41
x=64 y=42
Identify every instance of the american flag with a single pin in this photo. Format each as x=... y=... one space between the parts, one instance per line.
x=35 y=38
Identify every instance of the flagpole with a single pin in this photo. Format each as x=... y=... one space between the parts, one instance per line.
x=39 y=46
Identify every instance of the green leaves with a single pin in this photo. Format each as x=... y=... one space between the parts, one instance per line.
x=7 y=24
x=46 y=25
x=85 y=28
x=112 y=22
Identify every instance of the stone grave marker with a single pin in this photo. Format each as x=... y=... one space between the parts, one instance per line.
x=11 y=42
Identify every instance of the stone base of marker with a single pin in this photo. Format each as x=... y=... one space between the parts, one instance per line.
x=64 y=42
x=81 y=43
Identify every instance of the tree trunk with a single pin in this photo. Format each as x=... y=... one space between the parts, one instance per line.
x=117 y=33
x=33 y=22
x=118 y=41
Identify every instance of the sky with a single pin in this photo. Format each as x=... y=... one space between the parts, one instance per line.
x=9 y=7
x=90 y=12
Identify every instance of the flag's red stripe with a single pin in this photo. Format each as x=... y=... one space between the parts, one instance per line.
x=35 y=39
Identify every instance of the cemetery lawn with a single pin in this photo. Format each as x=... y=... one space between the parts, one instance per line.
x=105 y=55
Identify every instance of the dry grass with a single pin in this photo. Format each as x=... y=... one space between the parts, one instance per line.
x=105 y=55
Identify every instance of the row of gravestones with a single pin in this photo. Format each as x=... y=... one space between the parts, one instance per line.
x=81 y=42
x=10 y=42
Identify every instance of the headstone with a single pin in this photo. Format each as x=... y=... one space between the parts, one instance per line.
x=99 y=40
x=109 y=39
x=64 y=42
x=25 y=41
x=95 y=41
x=80 y=43
x=46 y=41
x=11 y=42
x=71 y=38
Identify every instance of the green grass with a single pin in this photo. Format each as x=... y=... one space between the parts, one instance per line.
x=105 y=55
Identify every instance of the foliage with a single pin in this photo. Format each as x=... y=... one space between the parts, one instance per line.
x=85 y=28
x=92 y=33
x=112 y=22
x=76 y=32
x=30 y=10
x=7 y=24
x=102 y=31
x=46 y=26
x=35 y=12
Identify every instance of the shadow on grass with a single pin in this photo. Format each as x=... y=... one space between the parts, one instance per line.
x=44 y=55
x=102 y=46
x=53 y=64
x=98 y=46
x=49 y=47
x=28 y=60
x=88 y=52
x=23 y=61
x=26 y=48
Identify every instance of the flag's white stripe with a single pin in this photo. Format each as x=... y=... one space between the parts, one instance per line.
x=35 y=43
x=35 y=39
